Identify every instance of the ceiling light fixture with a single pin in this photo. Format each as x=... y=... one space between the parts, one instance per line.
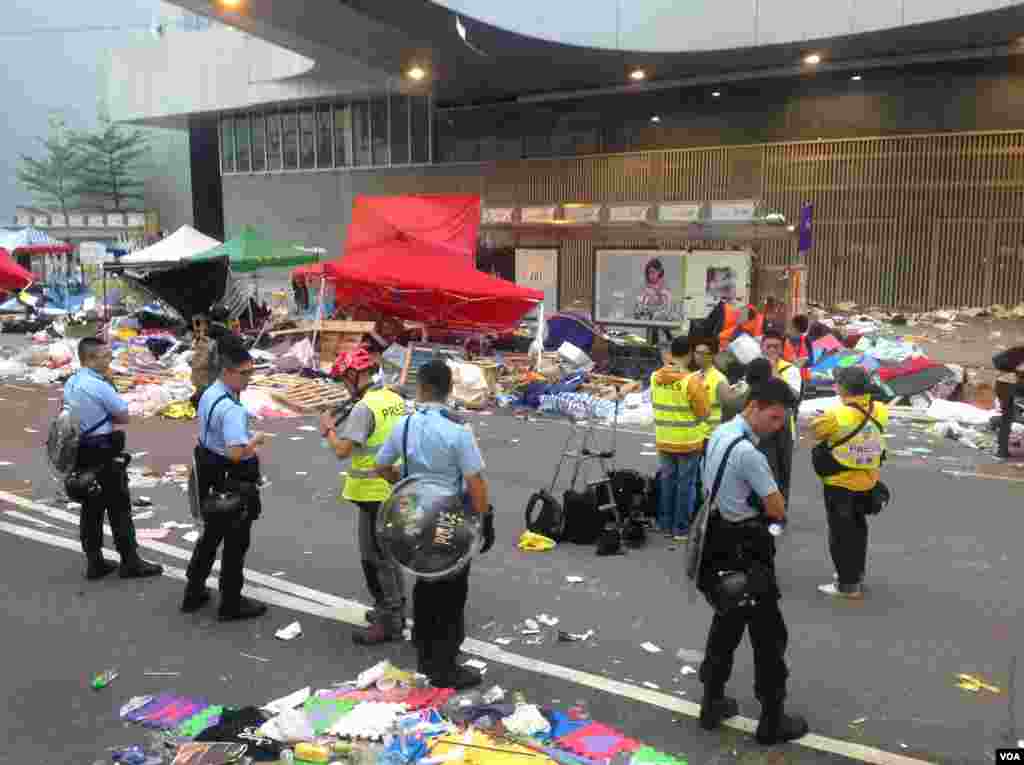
x=655 y=118
x=856 y=78
x=637 y=75
x=416 y=73
x=812 y=59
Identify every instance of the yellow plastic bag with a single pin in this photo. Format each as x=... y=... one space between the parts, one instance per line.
x=531 y=542
x=179 y=410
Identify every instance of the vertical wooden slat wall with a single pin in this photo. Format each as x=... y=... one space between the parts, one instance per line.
x=921 y=221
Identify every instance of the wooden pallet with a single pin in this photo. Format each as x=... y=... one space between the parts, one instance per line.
x=312 y=396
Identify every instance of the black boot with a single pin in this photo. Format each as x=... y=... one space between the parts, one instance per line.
x=194 y=600
x=243 y=608
x=98 y=567
x=716 y=707
x=134 y=567
x=776 y=727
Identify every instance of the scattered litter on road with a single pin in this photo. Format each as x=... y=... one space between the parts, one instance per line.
x=143 y=502
x=531 y=624
x=103 y=679
x=651 y=648
x=192 y=536
x=152 y=533
x=688 y=670
x=278 y=573
x=6 y=464
x=973 y=684
x=250 y=656
x=489 y=625
x=290 y=632
x=652 y=686
x=307 y=428
x=475 y=664
x=139 y=455
x=290 y=701
x=859 y=721
x=549 y=621
x=494 y=695
x=176 y=525
x=685 y=654
x=648 y=454
x=503 y=641
x=301 y=472
x=296 y=438
x=574 y=637
x=574 y=579
x=162 y=674
x=74 y=506
x=144 y=516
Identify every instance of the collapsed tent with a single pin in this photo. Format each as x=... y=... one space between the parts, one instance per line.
x=12 y=276
x=251 y=251
x=190 y=289
x=411 y=257
x=405 y=281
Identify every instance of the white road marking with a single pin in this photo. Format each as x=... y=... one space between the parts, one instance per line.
x=316 y=603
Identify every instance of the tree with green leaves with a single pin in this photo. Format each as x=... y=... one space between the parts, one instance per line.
x=54 y=179
x=110 y=163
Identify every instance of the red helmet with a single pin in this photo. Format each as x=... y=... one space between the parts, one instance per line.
x=357 y=360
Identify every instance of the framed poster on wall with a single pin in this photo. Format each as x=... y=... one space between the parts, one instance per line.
x=664 y=288
x=538 y=269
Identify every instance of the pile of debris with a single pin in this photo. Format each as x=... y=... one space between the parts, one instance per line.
x=386 y=716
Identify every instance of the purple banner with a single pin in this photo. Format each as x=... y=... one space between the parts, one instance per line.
x=806 y=234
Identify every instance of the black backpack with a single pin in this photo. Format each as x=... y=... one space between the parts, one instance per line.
x=545 y=516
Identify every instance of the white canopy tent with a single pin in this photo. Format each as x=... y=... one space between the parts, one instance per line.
x=183 y=243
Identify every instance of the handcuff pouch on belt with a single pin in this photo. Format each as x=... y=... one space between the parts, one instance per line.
x=223 y=496
x=739 y=572
x=83 y=483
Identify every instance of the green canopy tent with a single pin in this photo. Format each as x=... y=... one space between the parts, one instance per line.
x=251 y=251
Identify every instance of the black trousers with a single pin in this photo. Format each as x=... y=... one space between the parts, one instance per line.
x=114 y=501
x=847 y=532
x=439 y=621
x=235 y=536
x=1008 y=394
x=778 y=450
x=768 y=636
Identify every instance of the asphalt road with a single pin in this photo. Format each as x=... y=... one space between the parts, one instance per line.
x=943 y=598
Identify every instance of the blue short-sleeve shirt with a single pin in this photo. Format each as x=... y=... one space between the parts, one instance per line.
x=228 y=422
x=437 y=446
x=747 y=471
x=94 y=399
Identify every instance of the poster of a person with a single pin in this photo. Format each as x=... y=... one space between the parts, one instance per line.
x=720 y=284
x=655 y=299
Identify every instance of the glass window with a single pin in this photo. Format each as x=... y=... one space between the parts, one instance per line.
x=227 y=145
x=420 y=128
x=361 y=132
x=324 y=142
x=243 y=145
x=379 y=129
x=259 y=143
x=273 y=141
x=307 y=130
x=400 y=115
x=342 y=135
x=290 y=140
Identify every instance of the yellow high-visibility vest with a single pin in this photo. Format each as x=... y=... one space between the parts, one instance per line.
x=712 y=378
x=362 y=484
x=864 y=450
x=676 y=427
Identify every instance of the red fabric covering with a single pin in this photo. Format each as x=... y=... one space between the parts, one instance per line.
x=44 y=249
x=597 y=741
x=447 y=223
x=908 y=367
x=12 y=276
x=304 y=272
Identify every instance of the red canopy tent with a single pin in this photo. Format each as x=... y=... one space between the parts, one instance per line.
x=412 y=257
x=12 y=276
x=408 y=281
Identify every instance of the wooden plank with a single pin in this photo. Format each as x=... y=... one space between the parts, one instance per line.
x=311 y=396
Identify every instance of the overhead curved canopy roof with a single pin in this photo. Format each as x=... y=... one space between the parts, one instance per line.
x=501 y=65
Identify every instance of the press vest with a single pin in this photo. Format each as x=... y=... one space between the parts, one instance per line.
x=676 y=427
x=863 y=451
x=712 y=378
x=362 y=485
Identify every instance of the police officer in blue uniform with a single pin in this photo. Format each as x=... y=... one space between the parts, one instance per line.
x=228 y=463
x=91 y=393
x=434 y=442
x=737 y=575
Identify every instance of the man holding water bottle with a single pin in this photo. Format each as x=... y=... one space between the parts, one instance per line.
x=737 y=574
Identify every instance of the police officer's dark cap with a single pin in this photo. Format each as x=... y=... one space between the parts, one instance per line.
x=854 y=380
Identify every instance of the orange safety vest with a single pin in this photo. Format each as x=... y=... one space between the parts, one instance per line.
x=755 y=326
x=731 y=319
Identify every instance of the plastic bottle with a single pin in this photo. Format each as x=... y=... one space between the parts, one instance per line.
x=776 y=528
x=103 y=679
